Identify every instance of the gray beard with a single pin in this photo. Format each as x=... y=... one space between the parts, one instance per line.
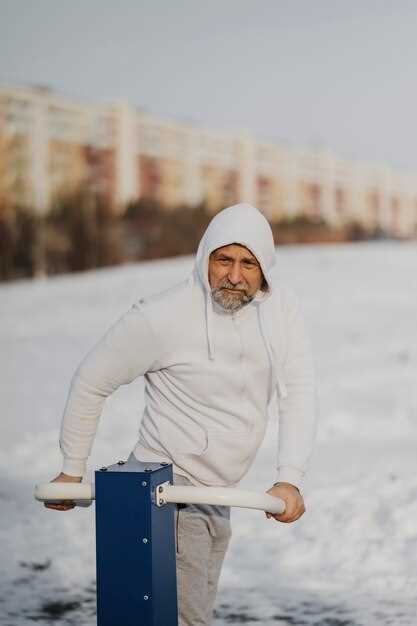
x=230 y=301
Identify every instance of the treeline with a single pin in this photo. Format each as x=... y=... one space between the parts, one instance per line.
x=82 y=233
x=79 y=233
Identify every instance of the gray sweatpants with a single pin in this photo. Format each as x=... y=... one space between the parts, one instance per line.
x=202 y=534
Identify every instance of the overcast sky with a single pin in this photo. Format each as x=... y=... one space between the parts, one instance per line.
x=308 y=73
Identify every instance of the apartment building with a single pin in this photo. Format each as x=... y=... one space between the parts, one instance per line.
x=50 y=146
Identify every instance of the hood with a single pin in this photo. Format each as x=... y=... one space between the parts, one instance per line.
x=242 y=224
x=245 y=225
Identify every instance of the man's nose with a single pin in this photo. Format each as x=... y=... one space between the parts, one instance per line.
x=235 y=274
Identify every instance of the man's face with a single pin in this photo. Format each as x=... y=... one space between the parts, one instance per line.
x=234 y=276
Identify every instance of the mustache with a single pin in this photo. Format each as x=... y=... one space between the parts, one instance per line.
x=226 y=284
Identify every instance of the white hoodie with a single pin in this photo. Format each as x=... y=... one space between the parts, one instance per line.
x=209 y=375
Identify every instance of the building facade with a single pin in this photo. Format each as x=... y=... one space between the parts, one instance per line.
x=51 y=146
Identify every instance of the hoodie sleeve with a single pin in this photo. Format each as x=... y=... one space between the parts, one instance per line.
x=127 y=350
x=298 y=407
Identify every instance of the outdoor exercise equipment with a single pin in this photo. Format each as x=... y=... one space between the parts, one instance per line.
x=135 y=536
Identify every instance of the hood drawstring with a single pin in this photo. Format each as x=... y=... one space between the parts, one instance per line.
x=274 y=378
x=209 y=326
x=272 y=375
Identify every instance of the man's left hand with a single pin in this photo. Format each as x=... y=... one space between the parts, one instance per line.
x=294 y=503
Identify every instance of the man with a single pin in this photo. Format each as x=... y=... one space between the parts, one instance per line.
x=215 y=351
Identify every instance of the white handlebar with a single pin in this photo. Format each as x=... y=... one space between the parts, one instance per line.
x=223 y=496
x=64 y=491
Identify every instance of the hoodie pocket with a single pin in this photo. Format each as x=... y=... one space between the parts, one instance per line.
x=227 y=457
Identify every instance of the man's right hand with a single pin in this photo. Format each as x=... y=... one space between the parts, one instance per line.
x=64 y=505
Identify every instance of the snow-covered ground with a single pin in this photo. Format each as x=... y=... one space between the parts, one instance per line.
x=350 y=561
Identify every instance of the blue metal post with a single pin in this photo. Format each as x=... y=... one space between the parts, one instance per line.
x=135 y=542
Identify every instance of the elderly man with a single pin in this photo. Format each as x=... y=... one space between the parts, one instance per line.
x=215 y=350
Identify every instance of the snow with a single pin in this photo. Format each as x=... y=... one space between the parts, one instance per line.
x=351 y=560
